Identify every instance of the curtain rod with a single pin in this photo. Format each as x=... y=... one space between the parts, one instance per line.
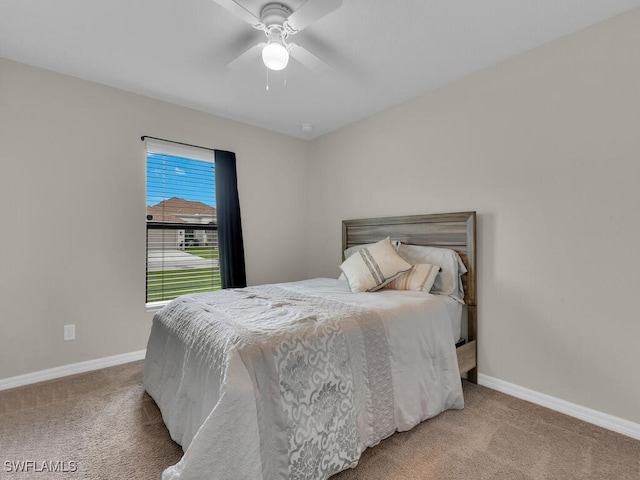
x=177 y=143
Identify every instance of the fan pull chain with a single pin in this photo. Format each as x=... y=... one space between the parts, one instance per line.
x=284 y=82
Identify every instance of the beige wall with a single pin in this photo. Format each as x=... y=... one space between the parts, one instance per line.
x=72 y=196
x=545 y=147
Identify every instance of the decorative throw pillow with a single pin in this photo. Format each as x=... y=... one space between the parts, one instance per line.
x=372 y=267
x=420 y=278
x=448 y=282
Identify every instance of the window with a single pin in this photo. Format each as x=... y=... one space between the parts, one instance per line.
x=182 y=240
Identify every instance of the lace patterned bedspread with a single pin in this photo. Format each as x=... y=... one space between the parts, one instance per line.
x=269 y=383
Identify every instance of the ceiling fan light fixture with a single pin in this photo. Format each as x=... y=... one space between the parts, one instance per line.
x=275 y=55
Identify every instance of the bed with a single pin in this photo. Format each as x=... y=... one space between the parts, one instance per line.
x=295 y=380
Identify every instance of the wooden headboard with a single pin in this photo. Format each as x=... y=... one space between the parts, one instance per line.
x=447 y=230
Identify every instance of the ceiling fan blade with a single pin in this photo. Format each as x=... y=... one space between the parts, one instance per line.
x=306 y=58
x=247 y=57
x=309 y=12
x=241 y=12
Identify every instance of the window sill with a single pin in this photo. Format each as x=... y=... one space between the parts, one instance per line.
x=155 y=306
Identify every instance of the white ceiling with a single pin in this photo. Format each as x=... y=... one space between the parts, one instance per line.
x=382 y=52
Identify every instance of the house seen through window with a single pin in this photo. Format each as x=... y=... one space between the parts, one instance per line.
x=182 y=243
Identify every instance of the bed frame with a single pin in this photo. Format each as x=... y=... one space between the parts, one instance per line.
x=447 y=230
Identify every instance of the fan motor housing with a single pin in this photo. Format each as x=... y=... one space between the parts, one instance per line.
x=274 y=14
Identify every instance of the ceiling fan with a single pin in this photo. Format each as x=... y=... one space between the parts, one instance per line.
x=279 y=22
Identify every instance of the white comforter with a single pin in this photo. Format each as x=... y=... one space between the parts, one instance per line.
x=295 y=380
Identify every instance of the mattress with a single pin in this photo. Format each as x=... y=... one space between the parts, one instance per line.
x=295 y=380
x=386 y=300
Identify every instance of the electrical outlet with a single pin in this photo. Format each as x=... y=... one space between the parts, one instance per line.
x=69 y=332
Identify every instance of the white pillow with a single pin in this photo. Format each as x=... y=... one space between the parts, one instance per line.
x=372 y=267
x=356 y=248
x=420 y=278
x=448 y=282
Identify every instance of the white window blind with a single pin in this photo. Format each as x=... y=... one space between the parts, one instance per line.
x=182 y=242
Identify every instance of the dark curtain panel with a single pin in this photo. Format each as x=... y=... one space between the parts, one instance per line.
x=230 y=244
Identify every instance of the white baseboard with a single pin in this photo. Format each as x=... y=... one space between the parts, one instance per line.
x=71 y=369
x=589 y=415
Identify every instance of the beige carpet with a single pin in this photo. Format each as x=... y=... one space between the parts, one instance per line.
x=110 y=428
